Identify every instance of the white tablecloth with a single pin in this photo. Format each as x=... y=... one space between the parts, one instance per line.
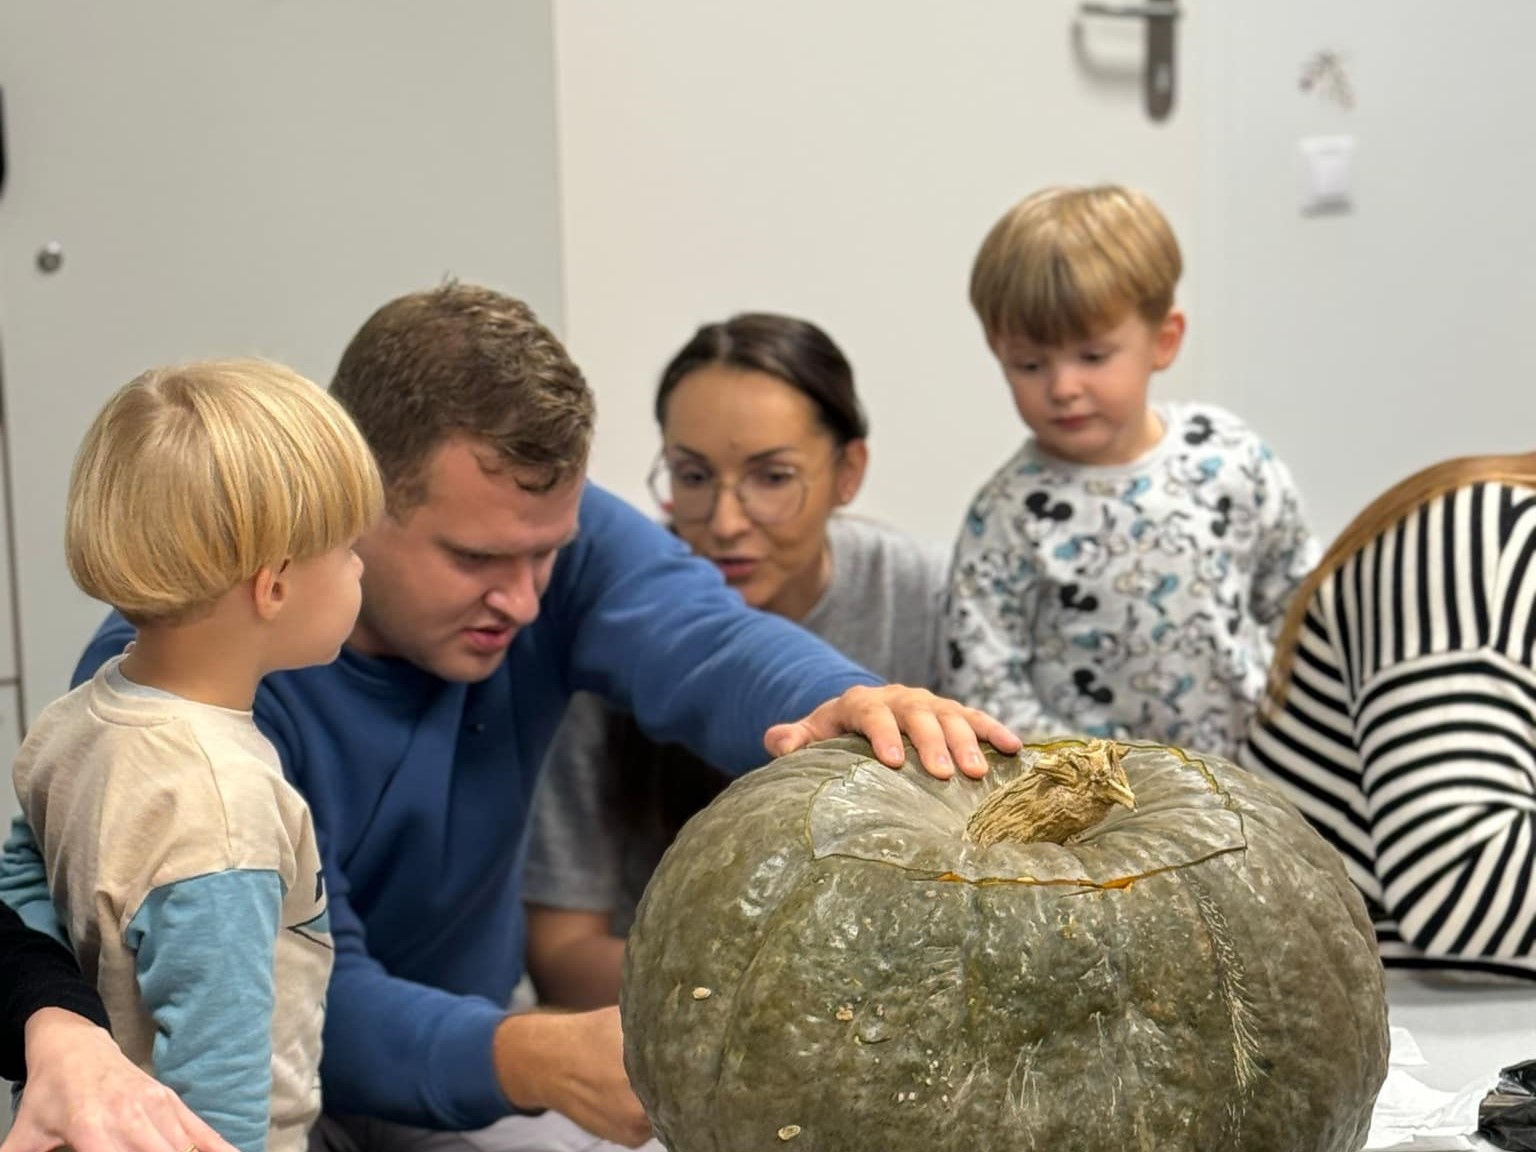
x=1466 y=1032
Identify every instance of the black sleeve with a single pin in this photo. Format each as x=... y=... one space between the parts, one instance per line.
x=35 y=972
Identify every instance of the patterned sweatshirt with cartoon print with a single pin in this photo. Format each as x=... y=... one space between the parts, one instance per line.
x=1136 y=601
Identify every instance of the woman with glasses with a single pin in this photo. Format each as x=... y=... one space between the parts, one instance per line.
x=763 y=441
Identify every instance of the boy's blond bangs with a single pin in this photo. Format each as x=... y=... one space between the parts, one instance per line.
x=1068 y=263
x=195 y=478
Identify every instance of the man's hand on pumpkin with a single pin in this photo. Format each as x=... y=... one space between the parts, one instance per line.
x=944 y=732
x=572 y=1063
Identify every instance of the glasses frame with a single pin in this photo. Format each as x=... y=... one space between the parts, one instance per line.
x=660 y=467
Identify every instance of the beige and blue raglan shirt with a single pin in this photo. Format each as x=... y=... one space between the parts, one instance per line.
x=185 y=871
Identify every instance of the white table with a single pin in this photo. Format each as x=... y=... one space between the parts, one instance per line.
x=1466 y=1031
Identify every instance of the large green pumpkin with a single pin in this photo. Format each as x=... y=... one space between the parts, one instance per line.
x=825 y=963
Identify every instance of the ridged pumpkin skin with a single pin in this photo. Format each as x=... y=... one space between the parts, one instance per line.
x=821 y=964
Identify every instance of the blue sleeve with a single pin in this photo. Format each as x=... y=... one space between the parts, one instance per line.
x=383 y=1032
x=393 y=1049
x=24 y=883
x=111 y=638
x=204 y=951
x=658 y=633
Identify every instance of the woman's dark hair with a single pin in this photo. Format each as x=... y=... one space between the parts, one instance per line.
x=795 y=351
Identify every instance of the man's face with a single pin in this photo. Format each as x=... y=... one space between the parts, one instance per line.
x=448 y=585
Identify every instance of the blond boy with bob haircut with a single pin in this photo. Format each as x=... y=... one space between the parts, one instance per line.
x=215 y=505
x=1125 y=572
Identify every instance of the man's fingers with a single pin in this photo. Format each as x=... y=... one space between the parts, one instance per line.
x=993 y=731
x=944 y=733
x=639 y=1136
x=877 y=724
x=782 y=739
x=963 y=746
x=929 y=740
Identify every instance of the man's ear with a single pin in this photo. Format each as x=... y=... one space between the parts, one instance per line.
x=269 y=591
x=1168 y=339
x=851 y=465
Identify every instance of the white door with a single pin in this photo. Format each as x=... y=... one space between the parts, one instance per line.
x=842 y=161
x=1369 y=343
x=247 y=177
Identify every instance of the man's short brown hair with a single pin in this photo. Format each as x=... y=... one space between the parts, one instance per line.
x=461 y=359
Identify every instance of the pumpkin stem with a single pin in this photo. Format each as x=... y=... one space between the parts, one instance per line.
x=1066 y=792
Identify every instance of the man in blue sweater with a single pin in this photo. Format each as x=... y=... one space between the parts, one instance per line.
x=500 y=583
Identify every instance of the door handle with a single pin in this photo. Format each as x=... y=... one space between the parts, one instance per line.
x=1148 y=11
x=1158 y=80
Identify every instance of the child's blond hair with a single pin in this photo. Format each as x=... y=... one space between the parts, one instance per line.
x=194 y=478
x=1068 y=263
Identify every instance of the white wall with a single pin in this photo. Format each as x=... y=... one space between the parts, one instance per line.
x=841 y=162
x=1368 y=345
x=243 y=178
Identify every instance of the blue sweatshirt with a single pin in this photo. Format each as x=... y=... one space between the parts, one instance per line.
x=420 y=790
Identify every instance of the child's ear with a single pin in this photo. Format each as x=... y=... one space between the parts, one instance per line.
x=269 y=591
x=1167 y=339
x=852 y=462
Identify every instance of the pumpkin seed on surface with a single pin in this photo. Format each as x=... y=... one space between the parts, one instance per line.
x=702 y=993
x=789 y=1131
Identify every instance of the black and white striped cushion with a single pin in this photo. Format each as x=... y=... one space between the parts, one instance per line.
x=1408 y=733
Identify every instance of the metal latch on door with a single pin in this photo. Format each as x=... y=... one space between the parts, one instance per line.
x=1158 y=81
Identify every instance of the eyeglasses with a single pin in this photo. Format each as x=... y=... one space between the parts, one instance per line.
x=687 y=491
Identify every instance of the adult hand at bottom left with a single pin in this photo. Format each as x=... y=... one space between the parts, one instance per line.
x=83 y=1093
